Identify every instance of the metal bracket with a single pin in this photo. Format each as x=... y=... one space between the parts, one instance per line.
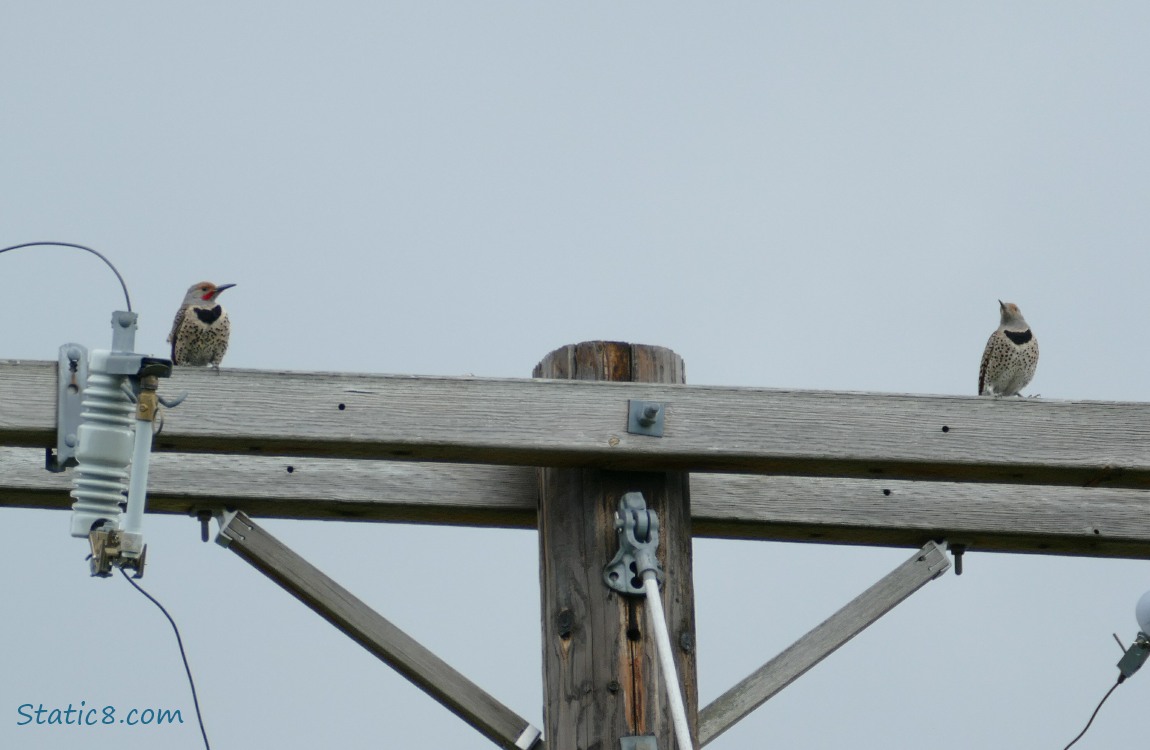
x=528 y=738
x=227 y=534
x=124 y=331
x=941 y=566
x=645 y=417
x=638 y=530
x=71 y=375
x=639 y=742
x=115 y=547
x=1135 y=656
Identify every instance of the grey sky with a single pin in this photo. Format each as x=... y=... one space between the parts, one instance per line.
x=799 y=195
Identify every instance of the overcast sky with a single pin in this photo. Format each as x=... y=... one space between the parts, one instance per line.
x=823 y=195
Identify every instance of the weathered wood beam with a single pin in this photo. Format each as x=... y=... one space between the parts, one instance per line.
x=583 y=424
x=765 y=682
x=378 y=635
x=1097 y=521
x=302 y=488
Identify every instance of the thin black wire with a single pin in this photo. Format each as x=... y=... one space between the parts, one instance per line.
x=183 y=656
x=1121 y=679
x=123 y=286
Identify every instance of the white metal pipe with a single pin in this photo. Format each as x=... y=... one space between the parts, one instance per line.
x=667 y=662
x=138 y=481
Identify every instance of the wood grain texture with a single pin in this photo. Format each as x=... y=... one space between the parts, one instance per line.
x=601 y=672
x=1097 y=522
x=862 y=611
x=579 y=424
x=375 y=633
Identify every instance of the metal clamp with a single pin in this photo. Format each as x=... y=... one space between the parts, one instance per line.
x=645 y=417
x=528 y=737
x=638 y=530
x=1135 y=656
x=71 y=375
x=115 y=547
x=227 y=534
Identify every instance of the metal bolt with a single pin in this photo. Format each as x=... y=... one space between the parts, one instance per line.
x=74 y=354
x=958 y=550
x=70 y=440
x=613 y=686
x=686 y=642
x=649 y=414
x=205 y=517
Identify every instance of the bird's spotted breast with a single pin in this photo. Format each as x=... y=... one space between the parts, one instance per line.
x=1018 y=337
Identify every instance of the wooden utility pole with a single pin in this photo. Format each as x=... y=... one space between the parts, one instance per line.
x=600 y=668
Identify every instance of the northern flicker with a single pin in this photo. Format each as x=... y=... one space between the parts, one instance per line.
x=200 y=331
x=1011 y=355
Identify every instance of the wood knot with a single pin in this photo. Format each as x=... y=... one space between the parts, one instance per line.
x=565 y=623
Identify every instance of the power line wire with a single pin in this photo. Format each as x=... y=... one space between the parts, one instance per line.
x=183 y=655
x=1121 y=679
x=127 y=299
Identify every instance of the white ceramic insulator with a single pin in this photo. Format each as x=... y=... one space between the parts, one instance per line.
x=105 y=438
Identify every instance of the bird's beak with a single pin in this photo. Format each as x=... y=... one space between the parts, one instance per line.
x=1001 y=306
x=222 y=287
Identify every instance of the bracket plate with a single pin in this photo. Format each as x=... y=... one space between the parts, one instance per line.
x=71 y=377
x=645 y=417
x=1135 y=656
x=638 y=531
x=528 y=738
x=639 y=742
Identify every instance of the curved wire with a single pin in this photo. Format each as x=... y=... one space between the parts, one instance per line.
x=1121 y=679
x=183 y=656
x=123 y=286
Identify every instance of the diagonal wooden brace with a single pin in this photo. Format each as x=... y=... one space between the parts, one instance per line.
x=730 y=707
x=375 y=633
